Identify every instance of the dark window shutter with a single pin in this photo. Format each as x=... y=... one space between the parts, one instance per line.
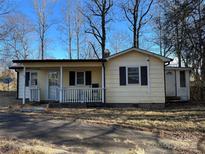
x=72 y=78
x=88 y=77
x=27 y=79
x=144 y=75
x=122 y=76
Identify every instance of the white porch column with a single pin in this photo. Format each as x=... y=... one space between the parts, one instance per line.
x=103 y=85
x=61 y=84
x=24 y=85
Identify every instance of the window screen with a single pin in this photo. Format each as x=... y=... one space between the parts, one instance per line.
x=53 y=78
x=80 y=78
x=34 y=79
x=133 y=75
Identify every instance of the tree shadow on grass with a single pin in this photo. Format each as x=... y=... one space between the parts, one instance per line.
x=201 y=144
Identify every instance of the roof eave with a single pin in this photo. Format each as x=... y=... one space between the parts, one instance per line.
x=58 y=60
x=165 y=59
x=177 y=68
x=14 y=68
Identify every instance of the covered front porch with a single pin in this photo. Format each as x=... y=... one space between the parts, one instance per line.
x=74 y=83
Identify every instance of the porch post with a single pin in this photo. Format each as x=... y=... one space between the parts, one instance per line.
x=61 y=84
x=24 y=85
x=103 y=84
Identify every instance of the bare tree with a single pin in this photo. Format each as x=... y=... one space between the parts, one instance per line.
x=67 y=26
x=78 y=27
x=119 y=41
x=136 y=12
x=97 y=17
x=5 y=9
x=43 y=9
x=163 y=39
x=16 y=44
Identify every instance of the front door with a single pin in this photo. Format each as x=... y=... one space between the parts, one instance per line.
x=170 y=83
x=53 y=85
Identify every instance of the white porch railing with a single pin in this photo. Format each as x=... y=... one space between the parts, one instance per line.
x=81 y=95
x=34 y=94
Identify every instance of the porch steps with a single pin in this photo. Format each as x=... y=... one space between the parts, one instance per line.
x=173 y=99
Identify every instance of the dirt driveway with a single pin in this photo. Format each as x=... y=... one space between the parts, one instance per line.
x=79 y=137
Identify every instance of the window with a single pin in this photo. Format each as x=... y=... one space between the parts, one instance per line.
x=182 y=79
x=80 y=78
x=53 y=78
x=34 y=79
x=133 y=75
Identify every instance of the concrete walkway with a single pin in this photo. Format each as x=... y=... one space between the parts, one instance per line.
x=79 y=137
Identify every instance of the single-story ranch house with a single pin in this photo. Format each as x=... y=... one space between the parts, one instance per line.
x=131 y=77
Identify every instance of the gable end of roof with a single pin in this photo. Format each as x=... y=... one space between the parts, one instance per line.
x=165 y=59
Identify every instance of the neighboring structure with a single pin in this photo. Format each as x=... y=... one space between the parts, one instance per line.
x=177 y=83
x=132 y=77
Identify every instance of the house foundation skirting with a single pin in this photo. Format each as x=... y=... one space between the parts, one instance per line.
x=110 y=105
x=137 y=105
x=56 y=104
x=76 y=105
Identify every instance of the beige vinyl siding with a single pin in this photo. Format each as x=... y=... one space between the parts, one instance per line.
x=153 y=93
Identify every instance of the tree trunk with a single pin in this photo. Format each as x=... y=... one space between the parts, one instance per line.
x=135 y=43
x=178 y=52
x=70 y=47
x=78 y=46
x=103 y=36
x=42 y=48
x=203 y=67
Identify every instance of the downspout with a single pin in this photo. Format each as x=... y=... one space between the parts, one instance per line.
x=175 y=83
x=104 y=84
x=165 y=94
